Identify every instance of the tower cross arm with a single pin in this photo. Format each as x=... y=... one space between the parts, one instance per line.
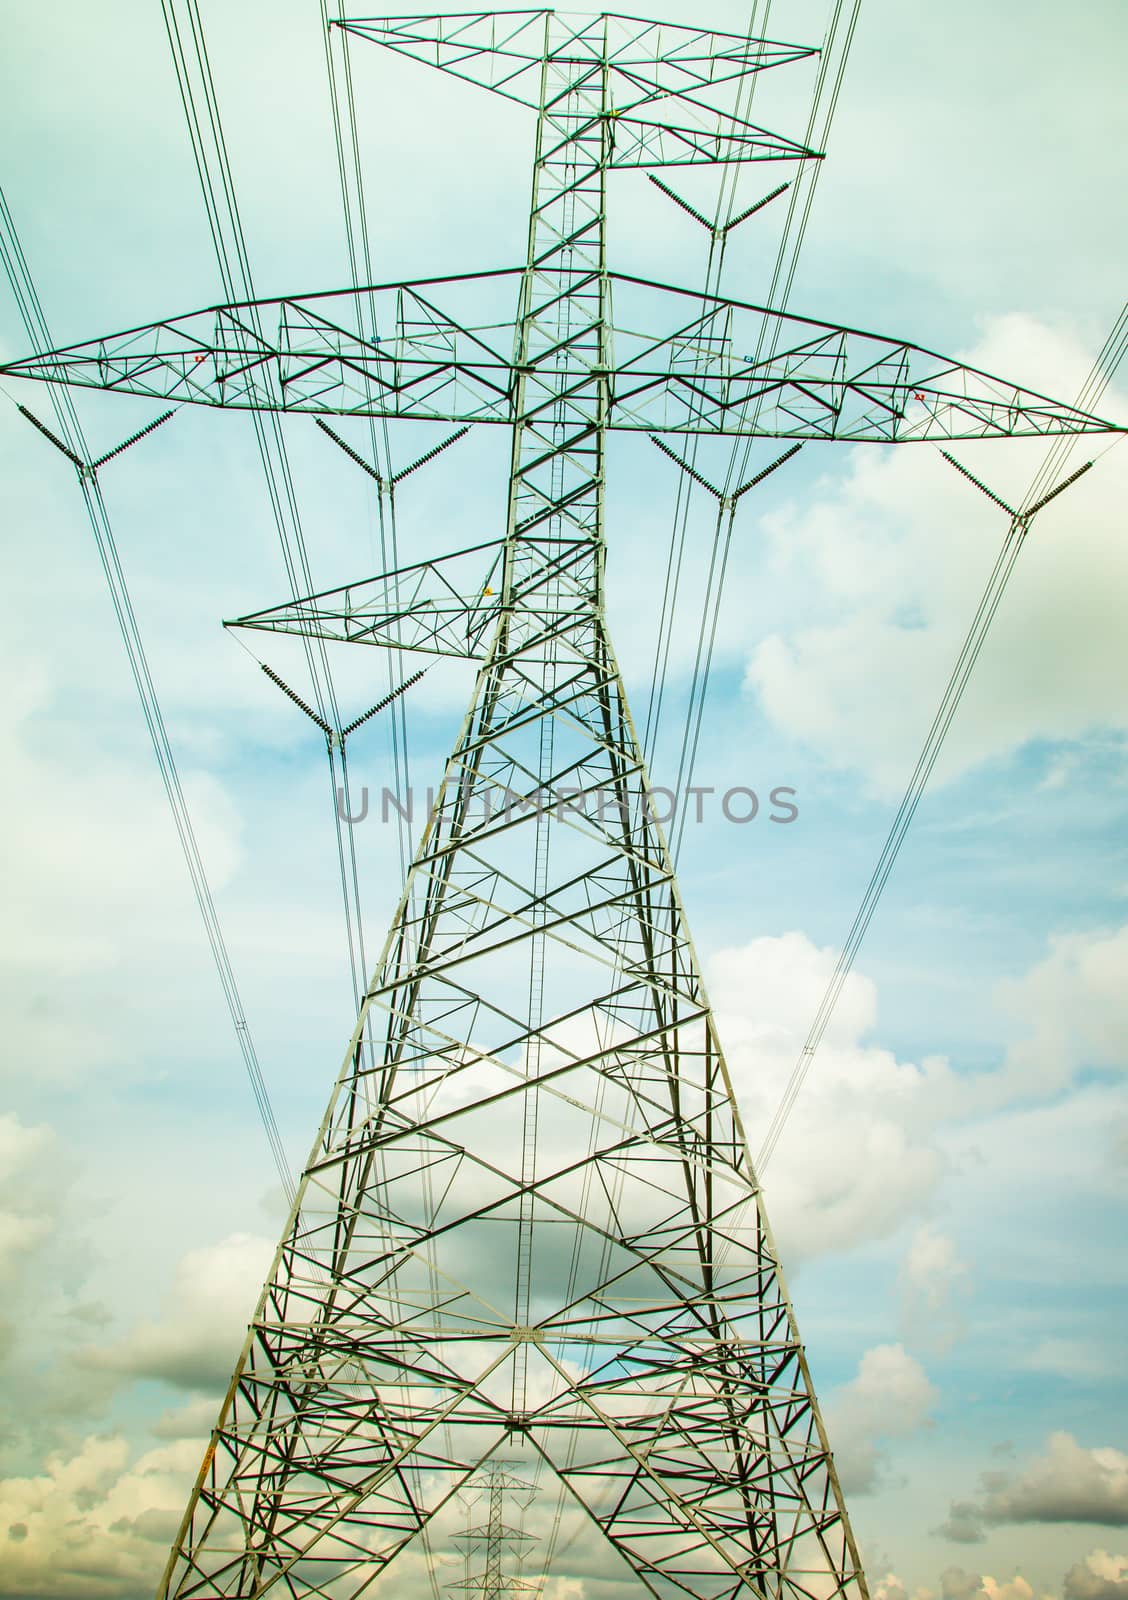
x=682 y=362
x=387 y=351
x=504 y=51
x=698 y=364
x=440 y=607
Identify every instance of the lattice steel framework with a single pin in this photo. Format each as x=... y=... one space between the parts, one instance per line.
x=529 y=1218
x=489 y=1541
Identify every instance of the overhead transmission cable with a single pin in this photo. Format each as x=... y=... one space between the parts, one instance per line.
x=198 y=97
x=832 y=67
x=675 y=557
x=210 y=151
x=1041 y=490
x=73 y=438
x=354 y=206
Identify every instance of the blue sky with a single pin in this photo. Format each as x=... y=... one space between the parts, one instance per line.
x=950 y=1197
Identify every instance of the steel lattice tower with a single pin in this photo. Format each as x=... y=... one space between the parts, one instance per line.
x=492 y=1538
x=529 y=1218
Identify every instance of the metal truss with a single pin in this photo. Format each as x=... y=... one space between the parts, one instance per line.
x=646 y=61
x=683 y=363
x=662 y=86
x=529 y=1224
x=441 y=607
x=493 y=1538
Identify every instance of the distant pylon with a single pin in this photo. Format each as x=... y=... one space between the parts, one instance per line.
x=529 y=1220
x=491 y=1539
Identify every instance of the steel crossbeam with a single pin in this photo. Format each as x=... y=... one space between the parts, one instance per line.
x=439 y=607
x=685 y=363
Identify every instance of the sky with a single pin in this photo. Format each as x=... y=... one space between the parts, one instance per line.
x=950 y=1195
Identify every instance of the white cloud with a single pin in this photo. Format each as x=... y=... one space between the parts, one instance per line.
x=891 y=1587
x=893 y=557
x=1072 y=1011
x=899 y=1119
x=891 y=1397
x=1099 y=1577
x=92 y=1525
x=1015 y=1588
x=956 y=1584
x=861 y=1098
x=1075 y=1007
x=933 y=1280
x=1067 y=1483
x=193 y=1420
x=195 y=1342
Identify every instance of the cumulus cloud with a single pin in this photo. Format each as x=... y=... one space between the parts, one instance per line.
x=1067 y=1483
x=1072 y=1010
x=1074 y=1005
x=96 y=1524
x=963 y=1524
x=892 y=1114
x=194 y=1343
x=1099 y=1577
x=893 y=558
x=891 y=1587
x=890 y=1397
x=92 y=1524
x=956 y=1584
x=868 y=1102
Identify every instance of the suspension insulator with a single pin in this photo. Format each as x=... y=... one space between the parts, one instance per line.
x=297 y=699
x=133 y=438
x=55 y=440
x=384 y=703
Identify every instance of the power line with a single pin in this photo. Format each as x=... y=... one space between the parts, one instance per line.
x=73 y=444
x=1035 y=498
x=198 y=97
x=832 y=68
x=359 y=245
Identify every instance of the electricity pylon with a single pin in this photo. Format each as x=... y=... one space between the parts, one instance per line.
x=529 y=1219
x=491 y=1539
